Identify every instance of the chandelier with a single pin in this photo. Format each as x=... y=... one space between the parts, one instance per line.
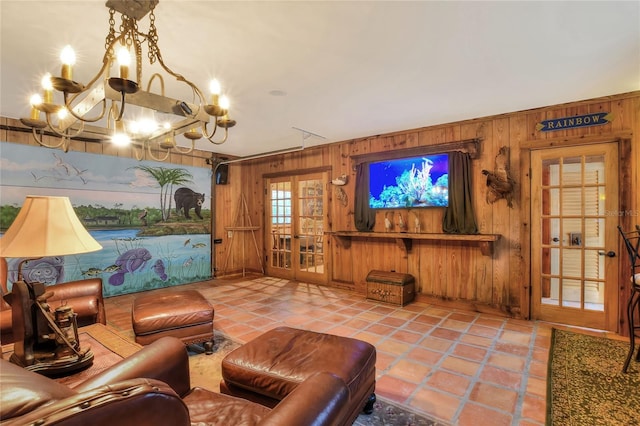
x=122 y=111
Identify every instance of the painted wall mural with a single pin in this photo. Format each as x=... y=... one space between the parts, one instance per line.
x=152 y=219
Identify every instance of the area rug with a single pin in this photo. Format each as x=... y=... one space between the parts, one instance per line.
x=586 y=385
x=386 y=413
x=204 y=370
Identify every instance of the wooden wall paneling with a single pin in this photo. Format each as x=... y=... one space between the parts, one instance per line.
x=438 y=135
x=604 y=106
x=342 y=216
x=3 y=129
x=93 y=148
x=342 y=262
x=381 y=144
x=413 y=265
x=223 y=213
x=76 y=145
x=453 y=285
x=622 y=111
x=412 y=139
x=483 y=265
x=257 y=213
x=427 y=266
x=501 y=225
x=533 y=118
x=439 y=273
x=517 y=246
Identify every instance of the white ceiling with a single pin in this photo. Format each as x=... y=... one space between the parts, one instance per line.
x=345 y=70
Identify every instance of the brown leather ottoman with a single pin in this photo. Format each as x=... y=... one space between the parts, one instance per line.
x=269 y=367
x=184 y=314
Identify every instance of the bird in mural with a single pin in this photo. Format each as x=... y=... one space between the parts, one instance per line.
x=143 y=217
x=500 y=184
x=60 y=163
x=37 y=178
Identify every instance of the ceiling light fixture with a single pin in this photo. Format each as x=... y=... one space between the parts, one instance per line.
x=111 y=95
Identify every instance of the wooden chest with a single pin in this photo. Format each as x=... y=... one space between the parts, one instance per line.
x=390 y=287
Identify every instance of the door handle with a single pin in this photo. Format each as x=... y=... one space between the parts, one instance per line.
x=555 y=239
x=611 y=253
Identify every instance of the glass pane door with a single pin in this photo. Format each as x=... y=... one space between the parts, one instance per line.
x=310 y=235
x=572 y=273
x=280 y=224
x=295 y=227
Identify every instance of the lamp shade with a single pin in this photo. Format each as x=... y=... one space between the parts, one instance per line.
x=46 y=226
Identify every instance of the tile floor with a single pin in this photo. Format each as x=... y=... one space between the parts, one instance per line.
x=459 y=367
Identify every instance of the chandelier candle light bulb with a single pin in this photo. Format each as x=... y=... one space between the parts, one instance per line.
x=48 y=89
x=214 y=87
x=120 y=136
x=124 y=60
x=224 y=104
x=35 y=100
x=68 y=58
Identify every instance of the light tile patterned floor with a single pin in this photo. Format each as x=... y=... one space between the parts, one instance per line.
x=459 y=367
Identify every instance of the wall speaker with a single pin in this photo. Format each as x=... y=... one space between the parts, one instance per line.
x=222 y=174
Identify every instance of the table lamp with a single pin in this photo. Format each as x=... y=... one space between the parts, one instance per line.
x=46 y=342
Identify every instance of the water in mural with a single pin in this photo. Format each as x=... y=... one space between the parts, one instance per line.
x=151 y=219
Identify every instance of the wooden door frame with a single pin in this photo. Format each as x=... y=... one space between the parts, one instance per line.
x=294 y=176
x=623 y=139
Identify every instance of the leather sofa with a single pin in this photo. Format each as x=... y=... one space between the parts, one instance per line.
x=152 y=387
x=84 y=297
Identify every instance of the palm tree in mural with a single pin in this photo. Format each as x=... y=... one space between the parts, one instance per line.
x=167 y=178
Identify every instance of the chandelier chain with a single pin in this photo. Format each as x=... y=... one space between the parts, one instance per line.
x=111 y=37
x=152 y=38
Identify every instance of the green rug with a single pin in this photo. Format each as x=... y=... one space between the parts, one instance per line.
x=586 y=385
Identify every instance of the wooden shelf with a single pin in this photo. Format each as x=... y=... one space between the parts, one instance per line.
x=405 y=239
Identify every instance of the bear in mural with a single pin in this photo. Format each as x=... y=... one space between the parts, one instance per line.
x=186 y=199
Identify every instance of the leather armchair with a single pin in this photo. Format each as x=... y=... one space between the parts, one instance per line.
x=84 y=296
x=152 y=387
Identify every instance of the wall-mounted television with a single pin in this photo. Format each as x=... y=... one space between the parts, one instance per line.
x=409 y=182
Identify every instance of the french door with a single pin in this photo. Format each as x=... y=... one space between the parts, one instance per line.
x=296 y=220
x=573 y=235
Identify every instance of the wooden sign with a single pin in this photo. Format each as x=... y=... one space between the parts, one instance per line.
x=595 y=119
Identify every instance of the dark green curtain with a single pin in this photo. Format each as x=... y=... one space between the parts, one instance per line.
x=364 y=217
x=459 y=217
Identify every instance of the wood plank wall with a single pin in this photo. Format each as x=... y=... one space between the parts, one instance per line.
x=451 y=272
x=447 y=272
